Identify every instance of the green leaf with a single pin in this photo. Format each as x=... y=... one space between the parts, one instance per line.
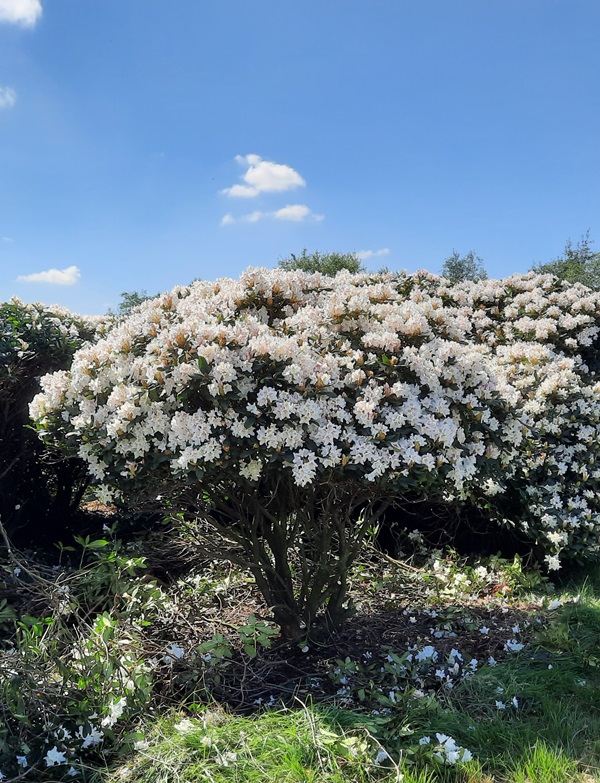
x=98 y=544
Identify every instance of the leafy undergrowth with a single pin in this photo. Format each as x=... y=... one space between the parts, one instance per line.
x=480 y=672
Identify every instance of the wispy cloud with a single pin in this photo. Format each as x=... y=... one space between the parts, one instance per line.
x=8 y=97
x=263 y=176
x=23 y=12
x=68 y=276
x=365 y=254
x=295 y=213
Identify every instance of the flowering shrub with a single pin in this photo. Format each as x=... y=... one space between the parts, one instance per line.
x=288 y=403
x=296 y=406
x=35 y=490
x=542 y=335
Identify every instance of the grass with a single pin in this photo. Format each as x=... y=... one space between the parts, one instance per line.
x=288 y=746
x=550 y=734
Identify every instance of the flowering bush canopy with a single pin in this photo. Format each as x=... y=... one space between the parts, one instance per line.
x=401 y=383
x=34 y=340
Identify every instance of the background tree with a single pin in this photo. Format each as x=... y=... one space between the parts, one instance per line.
x=457 y=268
x=129 y=300
x=326 y=263
x=577 y=264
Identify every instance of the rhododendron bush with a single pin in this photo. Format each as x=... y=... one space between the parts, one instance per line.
x=542 y=335
x=37 y=489
x=295 y=406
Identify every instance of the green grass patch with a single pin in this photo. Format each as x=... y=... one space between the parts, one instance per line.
x=535 y=718
x=287 y=746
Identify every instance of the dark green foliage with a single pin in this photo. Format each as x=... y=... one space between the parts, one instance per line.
x=576 y=265
x=129 y=300
x=458 y=268
x=326 y=263
x=39 y=489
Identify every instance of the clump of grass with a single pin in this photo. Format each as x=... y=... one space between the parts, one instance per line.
x=543 y=764
x=289 y=746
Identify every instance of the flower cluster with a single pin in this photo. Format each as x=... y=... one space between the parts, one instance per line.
x=26 y=330
x=478 y=389
x=446 y=750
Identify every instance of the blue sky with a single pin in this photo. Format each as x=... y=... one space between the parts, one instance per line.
x=144 y=143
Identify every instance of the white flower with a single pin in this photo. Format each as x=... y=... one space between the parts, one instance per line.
x=116 y=710
x=174 y=652
x=484 y=630
x=54 y=756
x=72 y=772
x=492 y=661
x=427 y=653
x=500 y=705
x=62 y=733
x=92 y=738
x=515 y=702
x=22 y=761
x=512 y=645
x=424 y=740
x=554 y=604
x=184 y=726
x=226 y=758
x=381 y=756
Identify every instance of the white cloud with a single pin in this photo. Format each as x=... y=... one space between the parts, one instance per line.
x=254 y=217
x=241 y=191
x=68 y=276
x=292 y=212
x=263 y=176
x=295 y=212
x=8 y=96
x=365 y=254
x=24 y=12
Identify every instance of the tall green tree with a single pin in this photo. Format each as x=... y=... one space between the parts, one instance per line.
x=129 y=300
x=457 y=268
x=326 y=263
x=578 y=264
